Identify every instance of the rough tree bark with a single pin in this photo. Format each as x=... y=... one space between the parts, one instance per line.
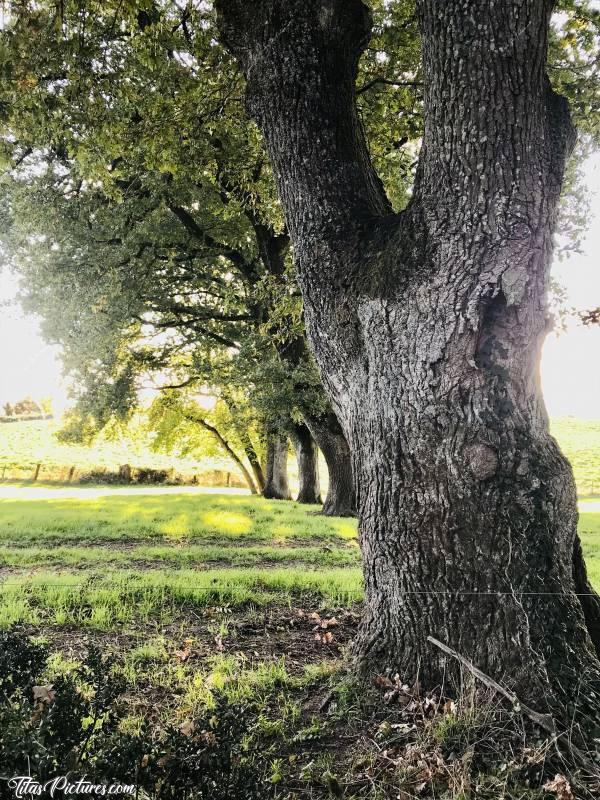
x=427 y=326
x=307 y=456
x=329 y=436
x=253 y=460
x=276 y=479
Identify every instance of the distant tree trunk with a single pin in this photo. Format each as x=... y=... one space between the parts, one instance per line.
x=427 y=327
x=254 y=461
x=246 y=441
x=276 y=484
x=328 y=434
x=307 y=455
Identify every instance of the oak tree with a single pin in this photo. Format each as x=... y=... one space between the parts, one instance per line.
x=427 y=326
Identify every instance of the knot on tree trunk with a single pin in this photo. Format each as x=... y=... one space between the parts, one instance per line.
x=482 y=460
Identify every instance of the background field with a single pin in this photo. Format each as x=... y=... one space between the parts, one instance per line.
x=197 y=595
x=580 y=441
x=24 y=445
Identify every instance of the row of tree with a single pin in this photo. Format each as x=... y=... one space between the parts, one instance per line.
x=26 y=407
x=142 y=214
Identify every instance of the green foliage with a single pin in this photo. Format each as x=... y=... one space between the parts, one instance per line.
x=179 y=425
x=21 y=660
x=73 y=726
x=52 y=727
x=390 y=96
x=574 y=62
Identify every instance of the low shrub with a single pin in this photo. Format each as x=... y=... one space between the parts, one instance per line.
x=72 y=727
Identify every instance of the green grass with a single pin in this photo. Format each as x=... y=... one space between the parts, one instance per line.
x=117 y=598
x=589 y=530
x=25 y=444
x=109 y=561
x=579 y=440
x=173 y=519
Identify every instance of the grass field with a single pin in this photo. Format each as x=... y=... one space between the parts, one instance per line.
x=199 y=597
x=579 y=440
x=23 y=445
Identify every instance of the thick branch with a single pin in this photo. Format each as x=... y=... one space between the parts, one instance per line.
x=300 y=59
x=227 y=448
x=193 y=228
x=492 y=124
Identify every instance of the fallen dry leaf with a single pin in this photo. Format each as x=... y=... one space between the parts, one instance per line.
x=187 y=728
x=383 y=681
x=184 y=654
x=209 y=737
x=561 y=788
x=44 y=694
x=324 y=638
x=323 y=624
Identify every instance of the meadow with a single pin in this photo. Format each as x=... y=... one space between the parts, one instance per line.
x=25 y=444
x=196 y=599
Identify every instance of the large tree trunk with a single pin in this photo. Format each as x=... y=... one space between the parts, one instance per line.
x=276 y=482
x=427 y=327
x=307 y=456
x=328 y=434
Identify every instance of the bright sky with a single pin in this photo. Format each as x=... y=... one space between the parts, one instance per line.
x=570 y=366
x=28 y=366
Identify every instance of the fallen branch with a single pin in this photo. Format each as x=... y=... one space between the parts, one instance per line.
x=545 y=721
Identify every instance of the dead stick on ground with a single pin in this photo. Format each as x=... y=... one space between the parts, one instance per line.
x=545 y=721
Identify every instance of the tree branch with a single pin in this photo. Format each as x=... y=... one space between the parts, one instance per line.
x=226 y=447
x=193 y=228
